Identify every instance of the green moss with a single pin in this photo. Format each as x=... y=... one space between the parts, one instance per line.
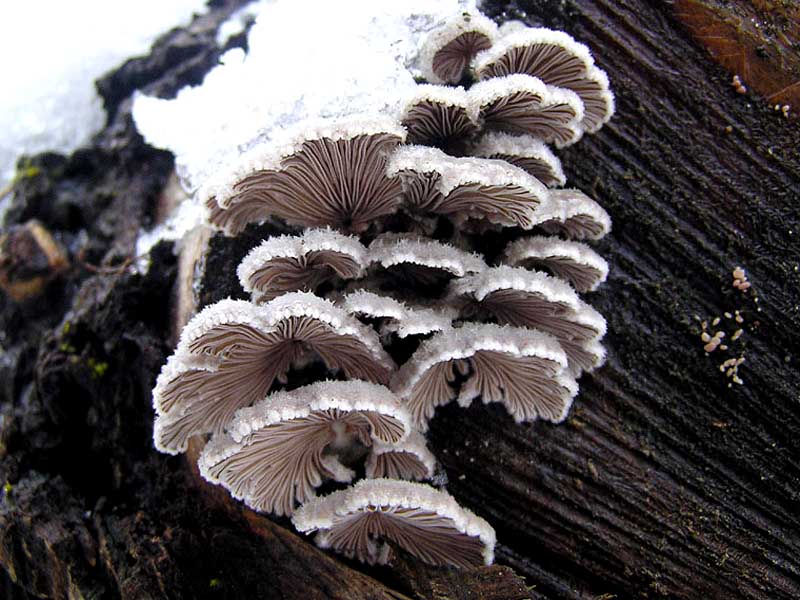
x=98 y=367
x=7 y=488
x=215 y=583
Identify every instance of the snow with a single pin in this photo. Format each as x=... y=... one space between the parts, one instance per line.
x=306 y=60
x=54 y=51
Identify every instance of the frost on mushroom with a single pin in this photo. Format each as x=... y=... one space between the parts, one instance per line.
x=420 y=262
x=410 y=459
x=574 y=215
x=524 y=105
x=231 y=353
x=523 y=151
x=573 y=262
x=524 y=369
x=467 y=188
x=399 y=318
x=366 y=520
x=327 y=173
x=438 y=116
x=300 y=263
x=515 y=296
x=448 y=50
x=277 y=452
x=558 y=60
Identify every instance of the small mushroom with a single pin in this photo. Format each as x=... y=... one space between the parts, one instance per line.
x=555 y=58
x=232 y=352
x=290 y=263
x=409 y=459
x=329 y=174
x=448 y=49
x=573 y=214
x=438 y=116
x=401 y=319
x=278 y=451
x=532 y=299
x=525 y=105
x=573 y=262
x=366 y=520
x=523 y=151
x=467 y=188
x=524 y=369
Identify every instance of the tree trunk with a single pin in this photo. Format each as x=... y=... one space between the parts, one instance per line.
x=668 y=478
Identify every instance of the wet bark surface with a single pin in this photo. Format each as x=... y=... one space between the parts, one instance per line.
x=667 y=479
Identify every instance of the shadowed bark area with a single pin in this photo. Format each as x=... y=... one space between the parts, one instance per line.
x=664 y=481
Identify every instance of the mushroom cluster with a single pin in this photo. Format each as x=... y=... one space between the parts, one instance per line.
x=381 y=302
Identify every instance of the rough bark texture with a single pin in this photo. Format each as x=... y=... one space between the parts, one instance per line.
x=664 y=481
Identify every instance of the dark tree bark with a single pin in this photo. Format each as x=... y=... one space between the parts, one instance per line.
x=667 y=479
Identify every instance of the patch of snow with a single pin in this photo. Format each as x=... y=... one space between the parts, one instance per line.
x=54 y=51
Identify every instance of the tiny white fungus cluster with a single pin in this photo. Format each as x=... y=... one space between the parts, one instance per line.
x=381 y=281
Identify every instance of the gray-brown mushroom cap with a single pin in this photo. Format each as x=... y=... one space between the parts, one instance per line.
x=278 y=451
x=438 y=116
x=558 y=60
x=574 y=262
x=524 y=369
x=232 y=352
x=574 y=215
x=286 y=263
x=525 y=105
x=467 y=188
x=523 y=151
x=367 y=519
x=448 y=49
x=326 y=174
x=409 y=459
x=530 y=299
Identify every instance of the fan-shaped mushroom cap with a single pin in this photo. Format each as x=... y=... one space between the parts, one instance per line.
x=403 y=320
x=449 y=49
x=523 y=151
x=436 y=115
x=393 y=249
x=532 y=299
x=326 y=173
x=232 y=352
x=571 y=261
x=290 y=263
x=522 y=368
x=521 y=104
x=275 y=451
x=574 y=215
x=467 y=188
x=428 y=523
x=410 y=459
x=555 y=58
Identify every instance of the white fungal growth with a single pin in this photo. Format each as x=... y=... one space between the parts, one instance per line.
x=449 y=48
x=390 y=250
x=426 y=522
x=574 y=215
x=403 y=320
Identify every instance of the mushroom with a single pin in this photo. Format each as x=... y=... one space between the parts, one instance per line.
x=524 y=369
x=290 y=263
x=400 y=318
x=515 y=296
x=366 y=520
x=438 y=116
x=410 y=459
x=523 y=151
x=418 y=261
x=521 y=104
x=329 y=173
x=571 y=261
x=232 y=352
x=278 y=451
x=448 y=50
x=558 y=60
x=467 y=188
x=574 y=215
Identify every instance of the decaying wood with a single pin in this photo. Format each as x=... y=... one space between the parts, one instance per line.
x=667 y=480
